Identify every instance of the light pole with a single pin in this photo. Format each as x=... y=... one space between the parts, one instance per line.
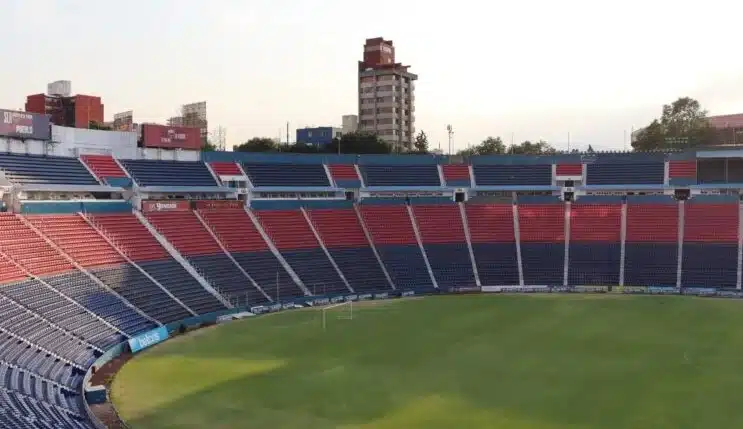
x=450 y=132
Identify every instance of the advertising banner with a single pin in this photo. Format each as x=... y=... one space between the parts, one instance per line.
x=165 y=206
x=699 y=291
x=591 y=289
x=657 y=290
x=630 y=290
x=516 y=289
x=464 y=289
x=149 y=338
x=24 y=125
x=218 y=204
x=163 y=136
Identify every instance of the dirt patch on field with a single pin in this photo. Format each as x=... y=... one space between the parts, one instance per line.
x=104 y=376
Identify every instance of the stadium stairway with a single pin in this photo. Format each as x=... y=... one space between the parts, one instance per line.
x=294 y=238
x=226 y=168
x=347 y=243
x=394 y=238
x=130 y=237
x=88 y=248
x=242 y=239
x=595 y=243
x=651 y=247
x=442 y=234
x=189 y=236
x=456 y=174
x=493 y=242
x=542 y=243
x=104 y=167
x=710 y=243
x=345 y=175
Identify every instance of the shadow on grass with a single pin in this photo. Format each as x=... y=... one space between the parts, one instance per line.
x=475 y=362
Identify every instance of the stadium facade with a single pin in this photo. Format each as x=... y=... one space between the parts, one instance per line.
x=106 y=246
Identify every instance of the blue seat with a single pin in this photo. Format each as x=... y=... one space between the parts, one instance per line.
x=634 y=173
x=262 y=174
x=650 y=264
x=594 y=264
x=497 y=263
x=315 y=270
x=451 y=265
x=543 y=263
x=267 y=271
x=224 y=275
x=136 y=288
x=509 y=175
x=19 y=321
x=709 y=265
x=400 y=175
x=182 y=285
x=75 y=319
x=169 y=173
x=35 y=169
x=361 y=268
x=90 y=295
x=405 y=266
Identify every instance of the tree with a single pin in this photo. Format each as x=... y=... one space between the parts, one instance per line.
x=421 y=143
x=528 y=148
x=208 y=146
x=257 y=144
x=590 y=149
x=683 y=117
x=489 y=146
x=358 y=143
x=651 y=137
x=683 y=123
x=93 y=125
x=301 y=147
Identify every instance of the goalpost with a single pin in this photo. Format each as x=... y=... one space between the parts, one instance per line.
x=344 y=310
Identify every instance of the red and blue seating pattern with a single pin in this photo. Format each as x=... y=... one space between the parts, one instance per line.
x=442 y=234
x=595 y=242
x=74 y=285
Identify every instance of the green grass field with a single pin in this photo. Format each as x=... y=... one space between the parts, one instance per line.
x=470 y=362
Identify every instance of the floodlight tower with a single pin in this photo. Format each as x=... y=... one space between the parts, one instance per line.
x=450 y=132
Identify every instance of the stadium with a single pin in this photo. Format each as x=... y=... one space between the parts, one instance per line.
x=371 y=291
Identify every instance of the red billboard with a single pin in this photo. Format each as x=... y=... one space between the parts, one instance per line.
x=166 y=206
x=167 y=137
x=218 y=204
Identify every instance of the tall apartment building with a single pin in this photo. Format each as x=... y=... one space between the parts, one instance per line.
x=386 y=95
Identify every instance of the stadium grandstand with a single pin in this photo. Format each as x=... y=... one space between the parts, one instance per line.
x=106 y=249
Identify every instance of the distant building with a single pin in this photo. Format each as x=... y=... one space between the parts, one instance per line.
x=349 y=124
x=76 y=111
x=192 y=115
x=317 y=136
x=386 y=95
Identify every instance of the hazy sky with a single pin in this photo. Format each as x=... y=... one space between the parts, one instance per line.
x=532 y=68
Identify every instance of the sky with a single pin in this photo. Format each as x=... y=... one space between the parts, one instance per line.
x=568 y=71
